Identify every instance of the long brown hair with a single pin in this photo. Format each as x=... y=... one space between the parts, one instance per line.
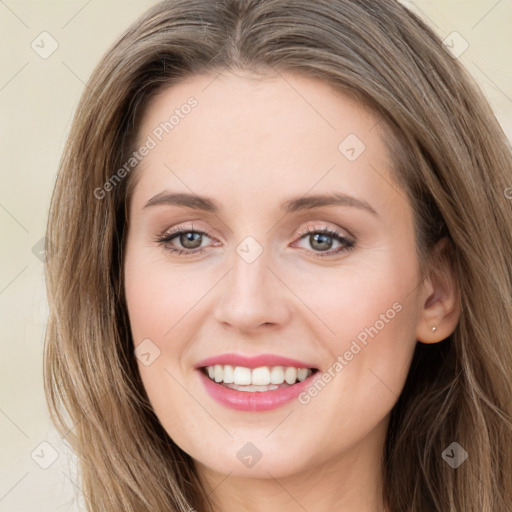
x=454 y=162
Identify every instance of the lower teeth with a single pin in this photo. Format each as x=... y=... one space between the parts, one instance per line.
x=270 y=387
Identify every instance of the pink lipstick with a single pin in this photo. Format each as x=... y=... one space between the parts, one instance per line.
x=258 y=383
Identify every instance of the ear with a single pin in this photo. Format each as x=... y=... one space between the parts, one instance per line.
x=440 y=299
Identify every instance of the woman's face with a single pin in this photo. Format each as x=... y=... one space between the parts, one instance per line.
x=265 y=290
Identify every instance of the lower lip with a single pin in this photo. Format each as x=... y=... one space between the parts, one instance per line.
x=254 y=401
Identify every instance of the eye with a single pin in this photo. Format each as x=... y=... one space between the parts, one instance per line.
x=321 y=240
x=189 y=239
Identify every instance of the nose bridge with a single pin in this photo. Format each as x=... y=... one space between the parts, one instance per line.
x=249 y=276
x=251 y=295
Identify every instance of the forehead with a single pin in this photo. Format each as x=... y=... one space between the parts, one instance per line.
x=276 y=135
x=260 y=105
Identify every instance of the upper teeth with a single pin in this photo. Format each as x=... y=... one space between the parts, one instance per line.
x=262 y=376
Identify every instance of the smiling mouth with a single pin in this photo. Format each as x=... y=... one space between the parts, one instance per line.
x=263 y=378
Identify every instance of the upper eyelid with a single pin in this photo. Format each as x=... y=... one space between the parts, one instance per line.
x=308 y=229
x=350 y=242
x=305 y=230
x=326 y=227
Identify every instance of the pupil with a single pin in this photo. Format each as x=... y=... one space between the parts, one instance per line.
x=324 y=236
x=189 y=238
x=192 y=237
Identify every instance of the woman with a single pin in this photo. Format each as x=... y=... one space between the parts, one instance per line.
x=213 y=348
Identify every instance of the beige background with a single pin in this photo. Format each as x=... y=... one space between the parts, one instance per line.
x=37 y=99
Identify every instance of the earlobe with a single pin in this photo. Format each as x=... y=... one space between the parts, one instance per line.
x=440 y=302
x=444 y=313
x=435 y=336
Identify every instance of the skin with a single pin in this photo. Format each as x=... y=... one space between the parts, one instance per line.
x=251 y=144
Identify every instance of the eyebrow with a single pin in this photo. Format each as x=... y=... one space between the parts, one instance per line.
x=292 y=205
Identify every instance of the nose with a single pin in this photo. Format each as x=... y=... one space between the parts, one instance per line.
x=252 y=295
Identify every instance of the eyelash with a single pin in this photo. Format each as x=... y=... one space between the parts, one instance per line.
x=168 y=236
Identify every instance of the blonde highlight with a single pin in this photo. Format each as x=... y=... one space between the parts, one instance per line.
x=450 y=155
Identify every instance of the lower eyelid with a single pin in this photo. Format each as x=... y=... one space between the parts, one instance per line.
x=347 y=243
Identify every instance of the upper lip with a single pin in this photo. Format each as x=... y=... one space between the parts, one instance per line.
x=253 y=361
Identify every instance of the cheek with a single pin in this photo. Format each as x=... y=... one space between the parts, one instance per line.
x=163 y=304
x=156 y=301
x=158 y=297
x=368 y=298
x=363 y=312
x=369 y=314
